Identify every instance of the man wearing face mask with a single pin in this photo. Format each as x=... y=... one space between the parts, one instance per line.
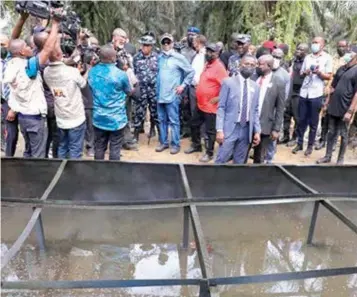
x=9 y=129
x=341 y=106
x=27 y=99
x=243 y=43
x=189 y=52
x=271 y=106
x=292 y=104
x=279 y=71
x=207 y=102
x=317 y=68
x=237 y=122
x=337 y=62
x=175 y=74
x=110 y=86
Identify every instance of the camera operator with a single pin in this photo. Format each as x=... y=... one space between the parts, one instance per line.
x=65 y=83
x=27 y=98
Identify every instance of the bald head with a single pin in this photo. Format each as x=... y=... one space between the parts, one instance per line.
x=16 y=47
x=278 y=53
x=107 y=54
x=40 y=39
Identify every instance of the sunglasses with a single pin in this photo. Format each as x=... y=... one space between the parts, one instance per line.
x=166 y=42
x=276 y=57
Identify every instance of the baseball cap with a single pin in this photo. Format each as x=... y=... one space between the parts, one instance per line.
x=193 y=30
x=212 y=47
x=166 y=36
x=242 y=38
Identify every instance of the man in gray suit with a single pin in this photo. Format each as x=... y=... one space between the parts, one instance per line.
x=271 y=105
x=237 y=122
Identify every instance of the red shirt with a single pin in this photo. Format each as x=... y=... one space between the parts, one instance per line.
x=209 y=85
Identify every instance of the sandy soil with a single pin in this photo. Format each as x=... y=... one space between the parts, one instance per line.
x=146 y=153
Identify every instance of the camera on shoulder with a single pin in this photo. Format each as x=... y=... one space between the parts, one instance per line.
x=40 y=9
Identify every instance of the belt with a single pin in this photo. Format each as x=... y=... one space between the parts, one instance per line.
x=30 y=116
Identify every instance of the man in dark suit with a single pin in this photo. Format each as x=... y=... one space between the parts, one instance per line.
x=271 y=105
x=237 y=121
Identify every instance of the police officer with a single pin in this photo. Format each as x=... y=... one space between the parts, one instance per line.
x=146 y=69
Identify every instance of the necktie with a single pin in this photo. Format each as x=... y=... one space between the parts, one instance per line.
x=5 y=87
x=243 y=117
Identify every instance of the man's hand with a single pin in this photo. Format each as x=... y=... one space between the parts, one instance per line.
x=220 y=137
x=24 y=15
x=307 y=72
x=274 y=135
x=179 y=90
x=214 y=100
x=348 y=117
x=11 y=115
x=256 y=139
x=324 y=109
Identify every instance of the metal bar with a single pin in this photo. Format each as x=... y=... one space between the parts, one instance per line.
x=40 y=234
x=31 y=223
x=313 y=222
x=204 y=288
x=339 y=214
x=197 y=229
x=96 y=284
x=186 y=227
x=277 y=277
x=172 y=203
x=297 y=181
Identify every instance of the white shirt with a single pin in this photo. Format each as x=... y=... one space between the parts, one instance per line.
x=242 y=81
x=198 y=64
x=313 y=86
x=263 y=89
x=65 y=83
x=26 y=94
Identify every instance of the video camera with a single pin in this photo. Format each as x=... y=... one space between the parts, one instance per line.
x=40 y=9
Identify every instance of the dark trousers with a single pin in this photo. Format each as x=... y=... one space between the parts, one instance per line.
x=337 y=126
x=89 y=134
x=324 y=127
x=11 y=131
x=34 y=131
x=291 y=111
x=147 y=98
x=53 y=137
x=261 y=150
x=309 y=111
x=209 y=119
x=71 y=142
x=103 y=138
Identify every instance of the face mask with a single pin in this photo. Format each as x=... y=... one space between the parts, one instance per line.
x=259 y=71
x=341 y=52
x=246 y=72
x=347 y=58
x=208 y=58
x=276 y=64
x=315 y=48
x=3 y=53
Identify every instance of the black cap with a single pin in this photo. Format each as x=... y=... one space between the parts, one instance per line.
x=212 y=47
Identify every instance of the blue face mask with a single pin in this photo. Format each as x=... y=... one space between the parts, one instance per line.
x=315 y=48
x=347 y=58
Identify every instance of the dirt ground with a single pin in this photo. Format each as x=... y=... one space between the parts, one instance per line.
x=146 y=153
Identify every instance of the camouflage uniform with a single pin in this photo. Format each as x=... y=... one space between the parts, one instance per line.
x=146 y=69
x=233 y=64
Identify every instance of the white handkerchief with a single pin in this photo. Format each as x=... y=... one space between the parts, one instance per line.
x=270 y=85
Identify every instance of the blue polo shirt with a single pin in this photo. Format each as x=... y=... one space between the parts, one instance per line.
x=110 y=86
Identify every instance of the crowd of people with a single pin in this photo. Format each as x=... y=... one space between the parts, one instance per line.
x=243 y=98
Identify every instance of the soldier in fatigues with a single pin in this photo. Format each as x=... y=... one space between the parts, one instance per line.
x=146 y=69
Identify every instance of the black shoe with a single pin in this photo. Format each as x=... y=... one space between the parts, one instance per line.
x=308 y=151
x=297 y=148
x=185 y=135
x=130 y=146
x=340 y=161
x=206 y=158
x=291 y=143
x=193 y=149
x=161 y=147
x=284 y=140
x=324 y=160
x=174 y=150
x=320 y=145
